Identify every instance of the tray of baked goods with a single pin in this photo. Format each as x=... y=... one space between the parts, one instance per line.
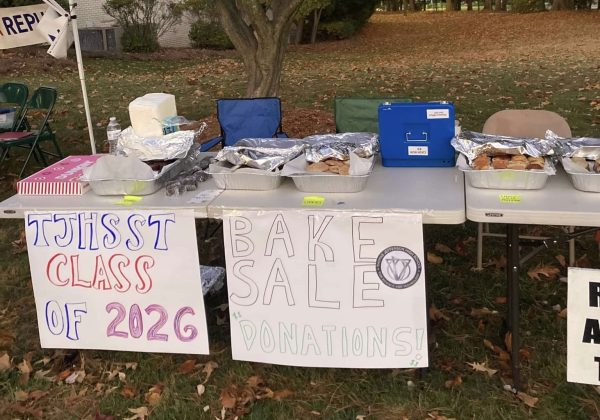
x=501 y=162
x=581 y=159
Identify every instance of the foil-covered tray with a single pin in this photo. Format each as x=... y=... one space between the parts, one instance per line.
x=330 y=183
x=267 y=154
x=582 y=180
x=503 y=179
x=243 y=178
x=134 y=186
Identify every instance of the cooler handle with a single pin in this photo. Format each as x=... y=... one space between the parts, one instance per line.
x=424 y=133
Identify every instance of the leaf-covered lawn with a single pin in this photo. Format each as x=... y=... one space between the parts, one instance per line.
x=483 y=63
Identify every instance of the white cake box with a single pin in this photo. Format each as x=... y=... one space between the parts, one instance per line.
x=147 y=112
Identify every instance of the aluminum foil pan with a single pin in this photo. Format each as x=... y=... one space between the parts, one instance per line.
x=171 y=146
x=505 y=179
x=133 y=186
x=585 y=147
x=472 y=144
x=267 y=154
x=340 y=146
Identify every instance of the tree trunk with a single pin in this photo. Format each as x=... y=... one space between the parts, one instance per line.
x=259 y=35
x=405 y=5
x=470 y=5
x=299 y=30
x=315 y=25
x=487 y=5
x=411 y=5
x=449 y=5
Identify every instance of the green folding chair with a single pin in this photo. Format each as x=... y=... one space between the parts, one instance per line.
x=359 y=114
x=13 y=97
x=38 y=108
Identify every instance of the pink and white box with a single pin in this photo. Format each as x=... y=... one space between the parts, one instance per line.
x=61 y=178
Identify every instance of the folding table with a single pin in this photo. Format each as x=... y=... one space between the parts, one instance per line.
x=558 y=203
x=17 y=205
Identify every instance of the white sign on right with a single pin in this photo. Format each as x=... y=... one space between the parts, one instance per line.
x=583 y=326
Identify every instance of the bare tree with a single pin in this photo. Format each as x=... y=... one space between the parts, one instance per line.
x=259 y=31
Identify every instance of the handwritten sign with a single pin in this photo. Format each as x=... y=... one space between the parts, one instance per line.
x=326 y=289
x=117 y=280
x=583 y=326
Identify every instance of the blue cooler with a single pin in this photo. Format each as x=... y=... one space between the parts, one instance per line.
x=416 y=134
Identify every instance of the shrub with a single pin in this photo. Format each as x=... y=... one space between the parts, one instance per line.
x=139 y=39
x=337 y=30
x=525 y=6
x=209 y=35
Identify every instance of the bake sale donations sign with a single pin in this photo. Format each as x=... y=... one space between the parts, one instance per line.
x=117 y=280
x=326 y=289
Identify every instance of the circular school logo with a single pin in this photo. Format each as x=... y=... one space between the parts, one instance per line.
x=398 y=267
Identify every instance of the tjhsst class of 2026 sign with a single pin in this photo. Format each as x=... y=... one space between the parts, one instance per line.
x=117 y=280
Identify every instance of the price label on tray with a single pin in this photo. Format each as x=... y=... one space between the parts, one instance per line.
x=510 y=198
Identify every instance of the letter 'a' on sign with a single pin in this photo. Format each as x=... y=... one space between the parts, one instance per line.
x=583 y=326
x=326 y=289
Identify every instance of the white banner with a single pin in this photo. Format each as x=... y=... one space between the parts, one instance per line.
x=117 y=280
x=327 y=289
x=583 y=326
x=18 y=26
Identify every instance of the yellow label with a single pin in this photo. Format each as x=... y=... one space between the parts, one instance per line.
x=128 y=200
x=313 y=201
x=510 y=198
x=132 y=198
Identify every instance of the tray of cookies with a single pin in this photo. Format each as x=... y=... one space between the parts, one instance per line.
x=339 y=163
x=330 y=175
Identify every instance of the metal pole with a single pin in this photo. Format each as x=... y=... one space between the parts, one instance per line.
x=512 y=274
x=86 y=104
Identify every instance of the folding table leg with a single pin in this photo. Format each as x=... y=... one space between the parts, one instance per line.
x=512 y=277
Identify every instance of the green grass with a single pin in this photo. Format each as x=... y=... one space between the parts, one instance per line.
x=480 y=79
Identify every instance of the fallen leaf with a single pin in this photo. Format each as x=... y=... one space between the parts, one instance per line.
x=77 y=376
x=527 y=399
x=508 y=341
x=561 y=260
x=209 y=368
x=20 y=245
x=5 y=362
x=280 y=395
x=482 y=312
x=444 y=249
x=100 y=416
x=37 y=394
x=453 y=383
x=547 y=271
x=498 y=263
x=563 y=313
x=433 y=258
x=481 y=367
x=206 y=408
x=500 y=300
x=140 y=413
x=187 y=367
x=200 y=389
x=525 y=354
x=435 y=314
x=21 y=395
x=228 y=397
x=63 y=375
x=128 y=391
x=153 y=396
x=25 y=366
